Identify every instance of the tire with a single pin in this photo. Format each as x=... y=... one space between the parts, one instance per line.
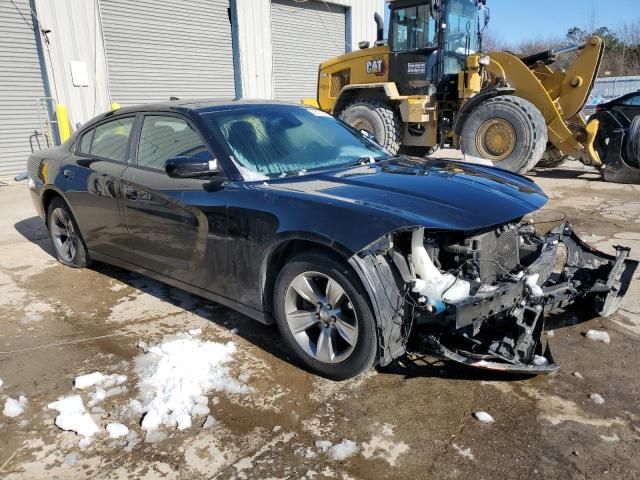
x=356 y=322
x=509 y=116
x=71 y=252
x=378 y=118
x=551 y=158
x=633 y=143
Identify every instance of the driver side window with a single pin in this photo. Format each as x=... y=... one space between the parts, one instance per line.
x=165 y=137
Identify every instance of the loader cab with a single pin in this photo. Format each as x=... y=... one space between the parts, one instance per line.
x=430 y=40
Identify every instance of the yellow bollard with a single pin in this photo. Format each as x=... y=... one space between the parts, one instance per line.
x=64 y=127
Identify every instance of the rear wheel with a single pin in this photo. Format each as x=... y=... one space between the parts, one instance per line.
x=509 y=131
x=376 y=117
x=65 y=235
x=324 y=316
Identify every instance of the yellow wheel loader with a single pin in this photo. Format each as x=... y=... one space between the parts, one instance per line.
x=431 y=85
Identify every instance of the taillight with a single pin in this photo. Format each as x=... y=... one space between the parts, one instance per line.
x=598 y=108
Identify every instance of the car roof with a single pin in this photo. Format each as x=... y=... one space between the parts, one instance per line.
x=195 y=105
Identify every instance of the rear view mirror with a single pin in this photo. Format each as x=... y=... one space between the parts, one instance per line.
x=192 y=167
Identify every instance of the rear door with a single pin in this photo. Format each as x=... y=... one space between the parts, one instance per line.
x=91 y=183
x=167 y=235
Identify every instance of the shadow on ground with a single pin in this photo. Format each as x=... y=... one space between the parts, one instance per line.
x=560 y=173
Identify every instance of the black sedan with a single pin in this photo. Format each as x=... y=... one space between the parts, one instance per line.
x=290 y=216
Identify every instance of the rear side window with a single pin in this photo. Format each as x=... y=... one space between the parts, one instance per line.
x=111 y=139
x=164 y=137
x=85 y=143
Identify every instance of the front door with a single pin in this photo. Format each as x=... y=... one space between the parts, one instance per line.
x=167 y=235
x=92 y=186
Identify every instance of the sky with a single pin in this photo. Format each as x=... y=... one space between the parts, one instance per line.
x=514 y=21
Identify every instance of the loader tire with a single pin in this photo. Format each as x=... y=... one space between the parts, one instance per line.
x=508 y=130
x=633 y=144
x=376 y=117
x=551 y=158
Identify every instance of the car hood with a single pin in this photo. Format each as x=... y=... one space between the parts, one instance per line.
x=437 y=194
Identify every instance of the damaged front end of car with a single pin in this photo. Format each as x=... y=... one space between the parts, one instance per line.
x=480 y=298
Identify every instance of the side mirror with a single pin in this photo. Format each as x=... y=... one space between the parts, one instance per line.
x=192 y=167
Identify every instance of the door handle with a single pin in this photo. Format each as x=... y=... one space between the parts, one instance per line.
x=131 y=193
x=68 y=174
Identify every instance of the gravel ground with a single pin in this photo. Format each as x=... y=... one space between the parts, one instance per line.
x=413 y=420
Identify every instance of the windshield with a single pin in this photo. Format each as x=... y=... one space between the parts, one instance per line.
x=461 y=35
x=462 y=27
x=278 y=140
x=413 y=28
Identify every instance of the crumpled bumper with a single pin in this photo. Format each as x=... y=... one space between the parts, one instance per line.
x=503 y=330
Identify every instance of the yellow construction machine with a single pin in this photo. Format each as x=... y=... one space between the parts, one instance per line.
x=431 y=84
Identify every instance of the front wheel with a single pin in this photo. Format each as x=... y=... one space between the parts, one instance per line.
x=324 y=316
x=509 y=131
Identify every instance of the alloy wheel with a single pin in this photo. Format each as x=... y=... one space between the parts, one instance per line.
x=64 y=235
x=321 y=317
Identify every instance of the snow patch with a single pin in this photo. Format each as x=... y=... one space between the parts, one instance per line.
x=209 y=422
x=13 y=407
x=86 y=381
x=85 y=443
x=383 y=445
x=465 y=452
x=483 y=417
x=323 y=445
x=343 y=450
x=73 y=417
x=117 y=430
x=170 y=387
x=1 y=382
x=195 y=332
x=598 y=336
x=610 y=439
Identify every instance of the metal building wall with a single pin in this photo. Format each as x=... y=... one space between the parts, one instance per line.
x=157 y=49
x=21 y=84
x=613 y=87
x=253 y=39
x=75 y=36
x=304 y=35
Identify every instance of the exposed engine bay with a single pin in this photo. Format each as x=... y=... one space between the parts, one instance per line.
x=482 y=296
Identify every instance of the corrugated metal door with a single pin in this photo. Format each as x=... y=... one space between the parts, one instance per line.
x=304 y=35
x=162 y=48
x=20 y=86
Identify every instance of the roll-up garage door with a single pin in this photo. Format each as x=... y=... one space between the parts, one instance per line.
x=20 y=86
x=157 y=49
x=305 y=34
